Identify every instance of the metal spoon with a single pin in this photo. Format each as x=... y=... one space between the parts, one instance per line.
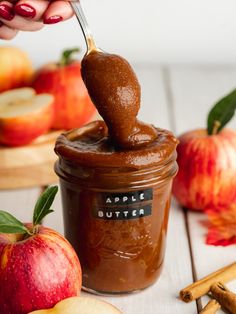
x=90 y=42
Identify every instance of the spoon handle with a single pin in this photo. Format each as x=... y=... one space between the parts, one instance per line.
x=76 y=6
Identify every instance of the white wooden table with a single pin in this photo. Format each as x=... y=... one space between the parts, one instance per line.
x=177 y=98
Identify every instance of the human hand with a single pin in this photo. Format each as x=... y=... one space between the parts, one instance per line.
x=31 y=15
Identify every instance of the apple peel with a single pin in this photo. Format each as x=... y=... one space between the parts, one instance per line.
x=72 y=104
x=206 y=159
x=24 y=116
x=38 y=266
x=81 y=305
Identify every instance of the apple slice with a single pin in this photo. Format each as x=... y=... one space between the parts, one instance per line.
x=81 y=305
x=19 y=93
x=24 y=116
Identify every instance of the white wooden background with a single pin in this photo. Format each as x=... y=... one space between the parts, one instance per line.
x=164 y=31
x=177 y=98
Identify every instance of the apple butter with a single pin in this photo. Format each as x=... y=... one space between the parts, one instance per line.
x=116 y=177
x=116 y=93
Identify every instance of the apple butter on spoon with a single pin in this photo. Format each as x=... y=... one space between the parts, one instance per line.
x=115 y=91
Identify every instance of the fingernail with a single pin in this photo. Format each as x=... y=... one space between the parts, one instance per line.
x=53 y=19
x=6 y=12
x=25 y=10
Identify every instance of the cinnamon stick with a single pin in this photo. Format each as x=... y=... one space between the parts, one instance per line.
x=201 y=287
x=224 y=296
x=211 y=308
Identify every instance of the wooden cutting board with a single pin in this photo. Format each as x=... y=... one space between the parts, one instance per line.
x=31 y=165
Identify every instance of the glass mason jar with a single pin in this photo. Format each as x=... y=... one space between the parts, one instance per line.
x=116 y=206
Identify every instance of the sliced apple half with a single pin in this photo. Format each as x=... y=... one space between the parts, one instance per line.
x=81 y=305
x=24 y=116
x=20 y=94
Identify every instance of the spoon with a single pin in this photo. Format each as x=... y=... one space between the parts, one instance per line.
x=90 y=42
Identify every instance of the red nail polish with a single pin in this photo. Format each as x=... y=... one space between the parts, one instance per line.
x=25 y=10
x=6 y=12
x=53 y=19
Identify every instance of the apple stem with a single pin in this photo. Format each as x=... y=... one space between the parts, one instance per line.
x=216 y=127
x=29 y=233
x=66 y=57
x=35 y=229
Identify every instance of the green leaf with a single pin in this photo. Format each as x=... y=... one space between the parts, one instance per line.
x=9 y=224
x=66 y=57
x=42 y=207
x=221 y=113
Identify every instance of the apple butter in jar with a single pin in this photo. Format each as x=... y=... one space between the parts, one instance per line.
x=116 y=177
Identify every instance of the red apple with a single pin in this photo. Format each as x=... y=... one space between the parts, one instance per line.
x=207 y=169
x=36 y=272
x=39 y=267
x=24 y=116
x=72 y=104
x=15 y=68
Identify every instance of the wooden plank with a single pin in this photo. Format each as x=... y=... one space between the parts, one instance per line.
x=154 y=107
x=194 y=91
x=30 y=165
x=208 y=258
x=19 y=203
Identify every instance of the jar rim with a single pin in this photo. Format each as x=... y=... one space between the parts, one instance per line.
x=158 y=154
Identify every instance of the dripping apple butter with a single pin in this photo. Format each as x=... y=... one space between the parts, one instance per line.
x=116 y=93
x=116 y=178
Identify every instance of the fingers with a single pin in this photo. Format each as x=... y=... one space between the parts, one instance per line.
x=14 y=21
x=19 y=23
x=6 y=32
x=6 y=10
x=31 y=9
x=58 y=11
x=31 y=15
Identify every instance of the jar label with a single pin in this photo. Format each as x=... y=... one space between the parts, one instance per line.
x=123 y=206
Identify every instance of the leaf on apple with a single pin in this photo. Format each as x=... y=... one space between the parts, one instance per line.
x=221 y=113
x=222 y=226
x=66 y=57
x=42 y=207
x=9 y=224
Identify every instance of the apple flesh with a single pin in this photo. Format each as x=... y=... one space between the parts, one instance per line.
x=207 y=169
x=24 y=116
x=36 y=272
x=73 y=107
x=81 y=305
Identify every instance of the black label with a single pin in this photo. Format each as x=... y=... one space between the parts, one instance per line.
x=124 y=206
x=127 y=198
